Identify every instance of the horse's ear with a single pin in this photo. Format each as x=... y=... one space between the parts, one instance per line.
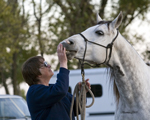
x=98 y=18
x=117 y=21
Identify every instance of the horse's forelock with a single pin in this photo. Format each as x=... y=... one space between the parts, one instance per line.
x=104 y=22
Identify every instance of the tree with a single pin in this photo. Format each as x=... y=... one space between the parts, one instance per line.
x=5 y=44
x=39 y=12
x=14 y=34
x=18 y=31
x=131 y=11
x=102 y=8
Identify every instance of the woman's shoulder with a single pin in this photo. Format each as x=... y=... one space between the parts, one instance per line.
x=37 y=88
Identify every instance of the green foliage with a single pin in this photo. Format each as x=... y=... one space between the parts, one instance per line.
x=131 y=10
x=132 y=5
x=23 y=56
x=14 y=37
x=146 y=54
x=23 y=93
x=5 y=41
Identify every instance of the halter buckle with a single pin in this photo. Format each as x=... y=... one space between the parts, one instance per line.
x=110 y=45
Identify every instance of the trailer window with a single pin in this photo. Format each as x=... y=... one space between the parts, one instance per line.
x=96 y=89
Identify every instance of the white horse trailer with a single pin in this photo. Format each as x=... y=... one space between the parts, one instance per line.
x=104 y=105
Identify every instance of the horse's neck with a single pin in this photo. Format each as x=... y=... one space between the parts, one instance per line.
x=126 y=57
x=130 y=73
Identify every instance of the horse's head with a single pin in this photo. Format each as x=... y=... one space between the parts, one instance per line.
x=103 y=33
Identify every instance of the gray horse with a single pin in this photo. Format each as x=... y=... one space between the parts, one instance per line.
x=103 y=43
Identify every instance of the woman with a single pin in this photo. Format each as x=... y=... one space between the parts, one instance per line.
x=48 y=101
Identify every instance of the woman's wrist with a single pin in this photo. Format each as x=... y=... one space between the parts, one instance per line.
x=64 y=65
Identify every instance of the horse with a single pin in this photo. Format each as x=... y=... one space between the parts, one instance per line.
x=103 y=44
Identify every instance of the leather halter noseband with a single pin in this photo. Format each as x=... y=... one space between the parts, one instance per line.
x=109 y=46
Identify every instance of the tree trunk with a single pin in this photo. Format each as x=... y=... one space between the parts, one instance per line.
x=4 y=82
x=102 y=8
x=39 y=37
x=14 y=74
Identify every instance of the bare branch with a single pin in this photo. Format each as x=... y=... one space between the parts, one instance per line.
x=34 y=10
x=134 y=16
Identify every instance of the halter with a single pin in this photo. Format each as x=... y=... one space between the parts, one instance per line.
x=109 y=46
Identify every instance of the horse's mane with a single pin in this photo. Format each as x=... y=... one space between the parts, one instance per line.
x=112 y=82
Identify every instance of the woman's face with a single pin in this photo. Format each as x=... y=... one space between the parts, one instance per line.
x=46 y=72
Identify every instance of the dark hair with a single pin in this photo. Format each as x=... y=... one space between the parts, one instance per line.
x=30 y=70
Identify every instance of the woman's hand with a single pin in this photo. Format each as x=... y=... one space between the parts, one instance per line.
x=87 y=83
x=61 y=52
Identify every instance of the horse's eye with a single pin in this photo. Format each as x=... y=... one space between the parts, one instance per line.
x=99 y=32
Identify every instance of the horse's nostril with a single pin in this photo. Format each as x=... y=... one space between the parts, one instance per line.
x=71 y=43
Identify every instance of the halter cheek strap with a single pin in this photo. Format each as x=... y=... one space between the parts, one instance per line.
x=109 y=46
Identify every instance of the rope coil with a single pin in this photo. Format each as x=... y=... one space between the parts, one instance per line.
x=81 y=99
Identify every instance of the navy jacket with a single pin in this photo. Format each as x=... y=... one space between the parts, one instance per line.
x=51 y=102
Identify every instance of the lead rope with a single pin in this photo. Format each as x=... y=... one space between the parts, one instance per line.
x=81 y=97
